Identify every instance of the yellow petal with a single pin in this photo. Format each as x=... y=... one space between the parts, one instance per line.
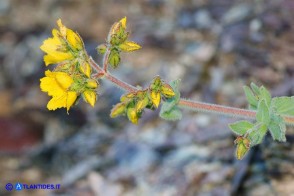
x=56 y=57
x=50 y=85
x=123 y=22
x=71 y=98
x=51 y=45
x=90 y=97
x=132 y=115
x=86 y=69
x=155 y=98
x=62 y=28
x=167 y=91
x=57 y=102
x=63 y=79
x=129 y=46
x=74 y=40
x=117 y=110
x=56 y=34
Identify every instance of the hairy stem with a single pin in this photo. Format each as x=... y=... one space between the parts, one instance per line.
x=189 y=104
x=105 y=60
x=213 y=108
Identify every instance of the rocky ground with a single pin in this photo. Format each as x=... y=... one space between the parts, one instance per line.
x=215 y=47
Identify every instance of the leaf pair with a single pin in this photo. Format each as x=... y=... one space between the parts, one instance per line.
x=269 y=113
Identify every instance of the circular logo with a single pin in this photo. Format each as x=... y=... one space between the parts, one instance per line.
x=9 y=186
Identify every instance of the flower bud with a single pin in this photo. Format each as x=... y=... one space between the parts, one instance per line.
x=91 y=83
x=117 y=110
x=114 y=58
x=90 y=97
x=132 y=115
x=167 y=91
x=101 y=49
x=141 y=104
x=243 y=146
x=155 y=98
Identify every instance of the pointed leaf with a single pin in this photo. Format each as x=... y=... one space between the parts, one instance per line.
x=284 y=105
x=252 y=100
x=277 y=128
x=174 y=114
x=263 y=114
x=265 y=94
x=255 y=88
x=258 y=133
x=241 y=127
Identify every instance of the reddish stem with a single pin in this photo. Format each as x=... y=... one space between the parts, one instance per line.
x=105 y=60
x=206 y=107
x=193 y=105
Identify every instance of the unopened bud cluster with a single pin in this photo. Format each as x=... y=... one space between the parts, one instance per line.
x=132 y=104
x=117 y=41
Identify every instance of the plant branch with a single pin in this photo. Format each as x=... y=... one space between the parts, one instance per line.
x=189 y=104
x=105 y=60
x=102 y=73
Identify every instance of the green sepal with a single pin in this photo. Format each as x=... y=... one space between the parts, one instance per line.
x=114 y=58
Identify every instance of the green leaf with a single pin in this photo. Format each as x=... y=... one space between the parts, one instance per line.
x=241 y=127
x=257 y=134
x=168 y=104
x=252 y=100
x=277 y=128
x=174 y=114
x=169 y=109
x=263 y=114
x=265 y=94
x=255 y=89
x=284 y=105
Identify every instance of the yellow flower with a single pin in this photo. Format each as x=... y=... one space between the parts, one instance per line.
x=62 y=46
x=57 y=84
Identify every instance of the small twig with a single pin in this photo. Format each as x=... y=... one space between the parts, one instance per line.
x=98 y=69
x=105 y=60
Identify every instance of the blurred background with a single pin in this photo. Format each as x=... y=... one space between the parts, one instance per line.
x=214 y=46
